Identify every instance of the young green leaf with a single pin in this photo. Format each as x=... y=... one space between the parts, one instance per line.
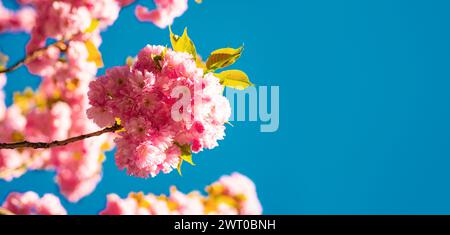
x=183 y=43
x=93 y=54
x=235 y=79
x=179 y=167
x=159 y=58
x=173 y=38
x=222 y=58
x=186 y=155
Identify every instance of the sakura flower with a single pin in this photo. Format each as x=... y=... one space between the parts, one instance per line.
x=12 y=162
x=164 y=14
x=141 y=97
x=61 y=99
x=118 y=206
x=241 y=200
x=57 y=123
x=79 y=165
x=29 y=203
x=77 y=21
x=21 y=20
x=59 y=19
x=241 y=189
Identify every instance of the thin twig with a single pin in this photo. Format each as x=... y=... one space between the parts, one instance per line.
x=43 y=145
x=61 y=45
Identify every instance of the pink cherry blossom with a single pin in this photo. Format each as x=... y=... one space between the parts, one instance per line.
x=141 y=97
x=164 y=14
x=13 y=163
x=237 y=185
x=29 y=203
x=57 y=123
x=231 y=195
x=61 y=99
x=67 y=19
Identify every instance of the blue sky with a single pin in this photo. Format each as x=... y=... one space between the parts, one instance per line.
x=364 y=105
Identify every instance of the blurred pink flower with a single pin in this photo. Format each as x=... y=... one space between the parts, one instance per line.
x=29 y=203
x=61 y=99
x=164 y=14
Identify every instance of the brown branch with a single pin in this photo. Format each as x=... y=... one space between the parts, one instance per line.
x=61 y=45
x=43 y=145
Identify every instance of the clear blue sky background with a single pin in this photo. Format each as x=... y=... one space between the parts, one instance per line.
x=365 y=105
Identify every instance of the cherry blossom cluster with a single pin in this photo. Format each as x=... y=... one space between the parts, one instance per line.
x=230 y=195
x=144 y=95
x=21 y=20
x=61 y=99
x=30 y=203
x=78 y=165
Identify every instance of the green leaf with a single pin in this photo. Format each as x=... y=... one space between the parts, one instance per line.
x=183 y=43
x=93 y=26
x=158 y=58
x=173 y=37
x=186 y=155
x=179 y=167
x=222 y=58
x=94 y=54
x=235 y=79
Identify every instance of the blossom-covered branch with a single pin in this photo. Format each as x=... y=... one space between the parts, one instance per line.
x=61 y=45
x=161 y=129
x=61 y=98
x=43 y=145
